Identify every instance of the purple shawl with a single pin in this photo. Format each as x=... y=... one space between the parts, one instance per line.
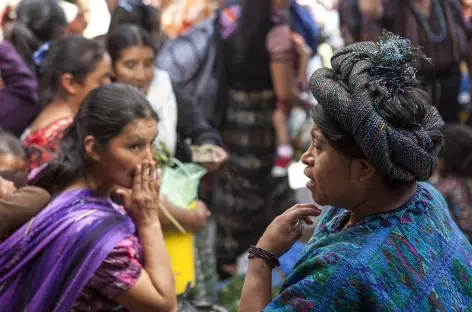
x=47 y=263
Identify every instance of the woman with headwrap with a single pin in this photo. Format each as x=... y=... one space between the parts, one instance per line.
x=387 y=241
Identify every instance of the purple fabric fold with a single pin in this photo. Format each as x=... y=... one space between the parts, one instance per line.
x=47 y=263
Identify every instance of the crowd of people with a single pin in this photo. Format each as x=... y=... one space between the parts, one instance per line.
x=83 y=122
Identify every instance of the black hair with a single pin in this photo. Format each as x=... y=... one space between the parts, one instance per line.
x=10 y=144
x=72 y=54
x=340 y=140
x=126 y=36
x=37 y=21
x=253 y=26
x=457 y=155
x=103 y=114
x=137 y=13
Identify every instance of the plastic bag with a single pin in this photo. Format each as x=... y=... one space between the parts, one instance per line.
x=180 y=184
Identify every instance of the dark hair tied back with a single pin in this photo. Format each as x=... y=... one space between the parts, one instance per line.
x=135 y=12
x=73 y=55
x=103 y=114
x=38 y=21
x=40 y=56
x=393 y=81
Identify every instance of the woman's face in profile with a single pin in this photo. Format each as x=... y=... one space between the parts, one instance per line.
x=136 y=67
x=130 y=148
x=329 y=171
x=99 y=77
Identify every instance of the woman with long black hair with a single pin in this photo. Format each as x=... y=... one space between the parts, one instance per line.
x=86 y=252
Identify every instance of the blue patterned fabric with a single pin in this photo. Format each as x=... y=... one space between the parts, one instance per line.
x=412 y=259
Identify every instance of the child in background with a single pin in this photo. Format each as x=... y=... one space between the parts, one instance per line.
x=282 y=110
x=17 y=206
x=12 y=155
x=455 y=173
x=18 y=203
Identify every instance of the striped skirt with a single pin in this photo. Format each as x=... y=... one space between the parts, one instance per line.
x=246 y=197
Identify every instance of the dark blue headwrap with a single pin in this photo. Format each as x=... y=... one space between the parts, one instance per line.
x=372 y=93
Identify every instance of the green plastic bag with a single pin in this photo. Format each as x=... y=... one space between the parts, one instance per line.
x=180 y=183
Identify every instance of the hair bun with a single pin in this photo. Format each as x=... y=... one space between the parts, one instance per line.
x=392 y=65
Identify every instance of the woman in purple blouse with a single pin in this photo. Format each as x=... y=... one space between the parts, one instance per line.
x=18 y=97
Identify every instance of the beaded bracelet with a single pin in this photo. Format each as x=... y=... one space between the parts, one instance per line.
x=269 y=258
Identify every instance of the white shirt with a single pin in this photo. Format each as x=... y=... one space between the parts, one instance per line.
x=162 y=99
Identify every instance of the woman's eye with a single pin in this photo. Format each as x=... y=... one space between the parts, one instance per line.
x=130 y=65
x=133 y=147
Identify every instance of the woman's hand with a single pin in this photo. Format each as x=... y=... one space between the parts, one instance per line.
x=287 y=228
x=200 y=216
x=6 y=188
x=220 y=157
x=142 y=202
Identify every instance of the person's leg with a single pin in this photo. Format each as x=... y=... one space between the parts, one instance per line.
x=284 y=149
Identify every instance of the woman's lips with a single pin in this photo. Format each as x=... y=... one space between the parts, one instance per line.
x=310 y=183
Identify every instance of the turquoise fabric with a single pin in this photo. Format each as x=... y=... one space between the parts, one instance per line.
x=412 y=259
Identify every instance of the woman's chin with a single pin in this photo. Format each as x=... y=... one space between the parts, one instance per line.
x=314 y=194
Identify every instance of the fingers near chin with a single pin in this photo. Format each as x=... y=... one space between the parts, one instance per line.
x=305 y=212
x=303 y=206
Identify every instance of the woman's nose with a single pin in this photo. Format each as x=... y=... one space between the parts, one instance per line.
x=306 y=158
x=149 y=155
x=140 y=73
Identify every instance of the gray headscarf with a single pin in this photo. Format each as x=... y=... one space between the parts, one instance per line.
x=372 y=93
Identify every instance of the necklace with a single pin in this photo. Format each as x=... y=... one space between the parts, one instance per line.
x=438 y=11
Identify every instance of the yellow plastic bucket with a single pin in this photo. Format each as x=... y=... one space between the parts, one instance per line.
x=180 y=186
x=181 y=251
x=182 y=255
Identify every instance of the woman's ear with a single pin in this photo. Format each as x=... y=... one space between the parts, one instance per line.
x=90 y=145
x=363 y=170
x=68 y=84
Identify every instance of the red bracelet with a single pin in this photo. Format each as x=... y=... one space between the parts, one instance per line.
x=269 y=258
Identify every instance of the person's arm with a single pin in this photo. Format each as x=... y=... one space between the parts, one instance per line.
x=191 y=122
x=21 y=205
x=276 y=240
x=371 y=9
x=304 y=53
x=191 y=220
x=155 y=288
x=281 y=50
x=257 y=285
x=18 y=96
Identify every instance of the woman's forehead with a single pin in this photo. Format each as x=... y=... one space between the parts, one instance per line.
x=142 y=127
x=317 y=134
